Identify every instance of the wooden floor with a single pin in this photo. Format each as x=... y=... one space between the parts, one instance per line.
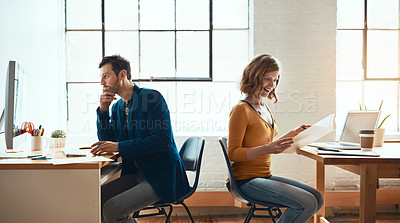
x=381 y=218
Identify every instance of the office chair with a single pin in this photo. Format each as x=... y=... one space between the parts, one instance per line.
x=191 y=154
x=274 y=211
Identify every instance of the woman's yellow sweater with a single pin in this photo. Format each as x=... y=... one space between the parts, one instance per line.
x=248 y=129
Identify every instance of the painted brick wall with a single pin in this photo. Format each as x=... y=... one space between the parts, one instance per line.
x=302 y=35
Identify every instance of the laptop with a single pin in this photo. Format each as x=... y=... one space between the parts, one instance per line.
x=355 y=121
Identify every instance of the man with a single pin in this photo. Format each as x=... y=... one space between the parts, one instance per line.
x=140 y=130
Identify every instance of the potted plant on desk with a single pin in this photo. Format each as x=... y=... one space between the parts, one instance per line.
x=58 y=138
x=380 y=133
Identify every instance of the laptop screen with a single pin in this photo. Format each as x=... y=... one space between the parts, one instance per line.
x=357 y=120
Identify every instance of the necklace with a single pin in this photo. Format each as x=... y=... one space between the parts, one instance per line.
x=126 y=109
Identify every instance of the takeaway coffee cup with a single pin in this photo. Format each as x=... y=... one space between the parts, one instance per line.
x=367 y=137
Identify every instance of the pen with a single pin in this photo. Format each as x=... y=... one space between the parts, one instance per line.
x=326 y=149
x=42 y=158
x=31 y=156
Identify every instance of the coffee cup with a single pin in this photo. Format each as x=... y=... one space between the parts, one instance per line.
x=38 y=143
x=367 y=137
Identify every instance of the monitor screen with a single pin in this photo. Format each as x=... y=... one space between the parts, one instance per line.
x=13 y=101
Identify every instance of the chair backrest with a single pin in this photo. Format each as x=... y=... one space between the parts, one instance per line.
x=233 y=187
x=191 y=154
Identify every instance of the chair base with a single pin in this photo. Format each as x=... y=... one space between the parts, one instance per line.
x=273 y=212
x=161 y=211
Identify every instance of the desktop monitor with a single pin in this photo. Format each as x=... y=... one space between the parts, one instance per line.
x=13 y=97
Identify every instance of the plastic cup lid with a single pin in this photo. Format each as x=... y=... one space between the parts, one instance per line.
x=367 y=131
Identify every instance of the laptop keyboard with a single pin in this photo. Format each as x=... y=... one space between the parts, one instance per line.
x=346 y=144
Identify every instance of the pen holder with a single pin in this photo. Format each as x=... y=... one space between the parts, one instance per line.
x=57 y=142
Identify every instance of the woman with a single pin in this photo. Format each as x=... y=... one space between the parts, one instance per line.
x=252 y=130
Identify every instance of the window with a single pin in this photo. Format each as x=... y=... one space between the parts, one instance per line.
x=367 y=66
x=178 y=47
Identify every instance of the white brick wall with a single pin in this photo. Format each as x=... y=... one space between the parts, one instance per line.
x=213 y=172
x=302 y=35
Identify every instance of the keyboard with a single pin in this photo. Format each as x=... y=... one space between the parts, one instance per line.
x=74 y=152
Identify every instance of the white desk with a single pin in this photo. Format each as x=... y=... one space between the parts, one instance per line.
x=36 y=191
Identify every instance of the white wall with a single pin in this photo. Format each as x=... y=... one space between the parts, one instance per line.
x=301 y=34
x=31 y=34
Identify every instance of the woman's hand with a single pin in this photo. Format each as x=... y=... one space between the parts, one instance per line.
x=295 y=132
x=279 y=145
x=275 y=147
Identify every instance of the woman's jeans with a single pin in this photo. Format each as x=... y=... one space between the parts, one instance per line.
x=302 y=200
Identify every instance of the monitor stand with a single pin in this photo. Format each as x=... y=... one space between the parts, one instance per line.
x=1 y=120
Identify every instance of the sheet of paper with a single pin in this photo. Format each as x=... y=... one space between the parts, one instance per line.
x=80 y=160
x=14 y=155
x=349 y=153
x=316 y=131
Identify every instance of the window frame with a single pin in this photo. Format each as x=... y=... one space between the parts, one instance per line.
x=170 y=78
x=365 y=77
x=213 y=48
x=365 y=30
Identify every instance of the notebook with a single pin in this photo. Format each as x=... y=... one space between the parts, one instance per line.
x=355 y=121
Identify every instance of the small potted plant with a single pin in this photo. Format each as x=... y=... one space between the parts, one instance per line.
x=58 y=138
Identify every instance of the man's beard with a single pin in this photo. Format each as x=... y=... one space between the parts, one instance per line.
x=115 y=88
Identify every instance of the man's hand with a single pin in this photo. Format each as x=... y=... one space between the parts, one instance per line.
x=104 y=146
x=106 y=98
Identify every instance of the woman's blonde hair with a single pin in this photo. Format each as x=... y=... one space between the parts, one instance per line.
x=253 y=74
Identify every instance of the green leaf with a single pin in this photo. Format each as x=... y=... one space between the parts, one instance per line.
x=383 y=121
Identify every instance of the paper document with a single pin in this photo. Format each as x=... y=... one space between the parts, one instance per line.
x=80 y=160
x=316 y=131
x=14 y=155
x=349 y=153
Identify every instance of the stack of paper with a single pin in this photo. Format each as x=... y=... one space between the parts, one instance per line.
x=349 y=153
x=80 y=160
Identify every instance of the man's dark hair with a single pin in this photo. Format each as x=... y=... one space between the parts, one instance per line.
x=118 y=63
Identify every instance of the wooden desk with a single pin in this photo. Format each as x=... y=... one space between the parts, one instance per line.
x=38 y=191
x=369 y=169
